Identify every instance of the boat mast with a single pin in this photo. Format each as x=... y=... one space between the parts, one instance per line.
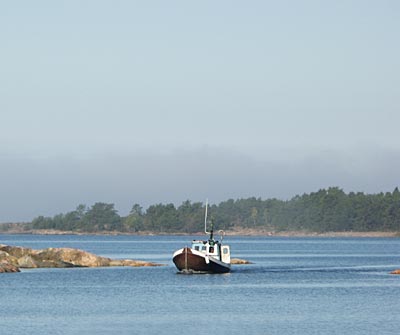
x=205 y=218
x=211 y=233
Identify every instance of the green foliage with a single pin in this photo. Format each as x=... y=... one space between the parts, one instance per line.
x=134 y=222
x=161 y=218
x=326 y=210
x=100 y=217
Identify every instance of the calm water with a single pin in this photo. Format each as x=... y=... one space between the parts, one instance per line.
x=295 y=286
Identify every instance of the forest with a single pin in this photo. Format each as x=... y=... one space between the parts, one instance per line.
x=327 y=210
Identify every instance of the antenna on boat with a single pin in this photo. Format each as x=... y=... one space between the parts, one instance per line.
x=211 y=240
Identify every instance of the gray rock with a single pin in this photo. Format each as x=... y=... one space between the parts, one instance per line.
x=27 y=262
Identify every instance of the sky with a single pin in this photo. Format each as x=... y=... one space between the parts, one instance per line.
x=151 y=102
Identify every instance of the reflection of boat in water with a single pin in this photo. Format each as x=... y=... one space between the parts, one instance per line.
x=209 y=256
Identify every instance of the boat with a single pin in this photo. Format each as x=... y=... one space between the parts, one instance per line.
x=204 y=256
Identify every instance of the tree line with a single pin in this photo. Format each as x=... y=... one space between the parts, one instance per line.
x=326 y=210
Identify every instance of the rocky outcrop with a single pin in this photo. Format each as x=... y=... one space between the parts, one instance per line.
x=20 y=257
x=26 y=262
x=8 y=263
x=7 y=267
x=131 y=262
x=15 y=251
x=239 y=261
x=5 y=257
x=395 y=272
x=70 y=257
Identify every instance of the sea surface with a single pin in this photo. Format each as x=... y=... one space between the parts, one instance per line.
x=294 y=286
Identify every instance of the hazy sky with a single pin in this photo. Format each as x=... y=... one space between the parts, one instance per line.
x=162 y=101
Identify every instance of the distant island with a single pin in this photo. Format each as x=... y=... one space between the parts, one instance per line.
x=325 y=211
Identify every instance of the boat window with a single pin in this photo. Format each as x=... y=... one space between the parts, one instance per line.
x=196 y=248
x=225 y=251
x=211 y=250
x=203 y=248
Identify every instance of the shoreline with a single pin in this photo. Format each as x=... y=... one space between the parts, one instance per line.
x=237 y=232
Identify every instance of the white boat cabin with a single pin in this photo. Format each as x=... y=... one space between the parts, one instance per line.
x=215 y=249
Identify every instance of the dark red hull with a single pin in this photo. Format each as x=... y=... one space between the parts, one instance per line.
x=188 y=261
